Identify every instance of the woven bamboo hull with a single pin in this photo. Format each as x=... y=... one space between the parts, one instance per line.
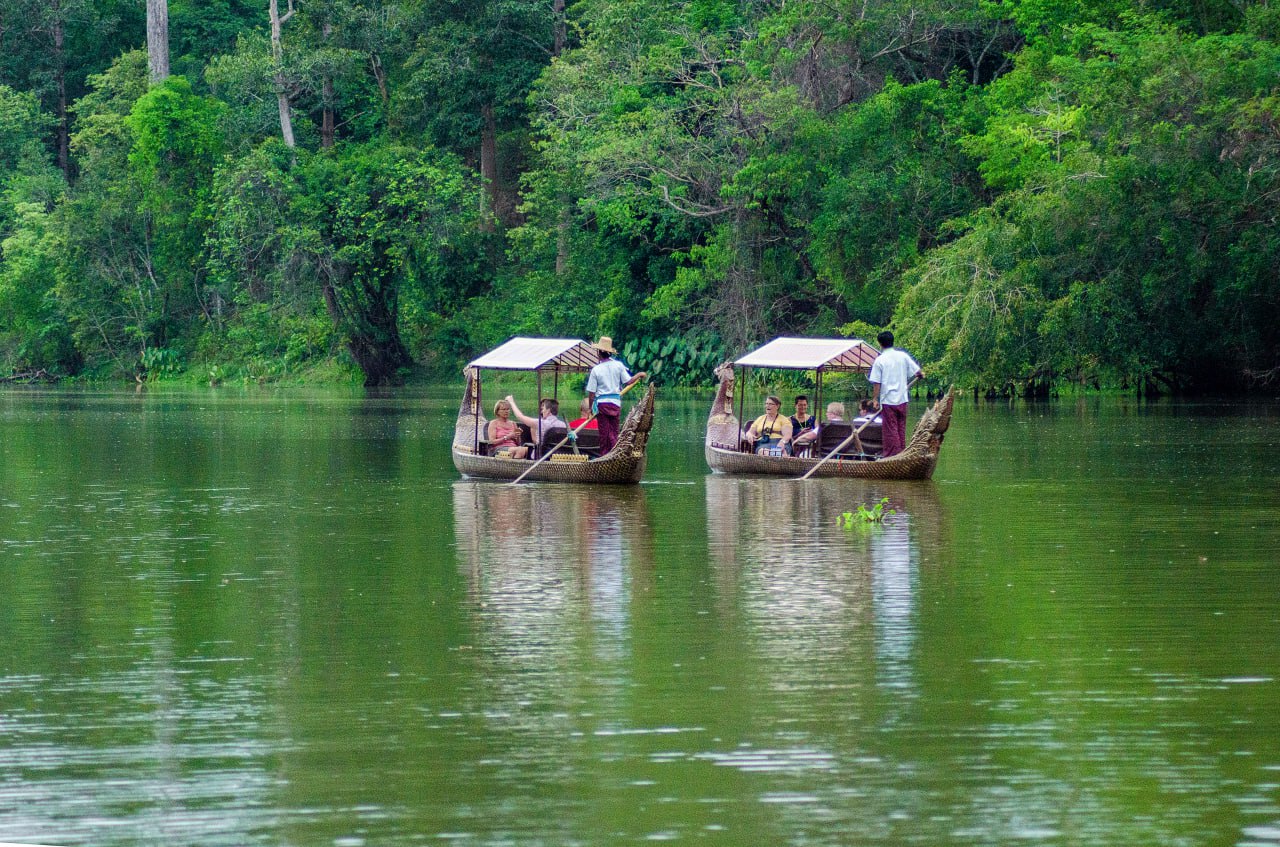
x=624 y=464
x=613 y=469
x=917 y=461
x=901 y=466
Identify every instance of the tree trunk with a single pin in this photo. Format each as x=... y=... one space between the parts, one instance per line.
x=60 y=80
x=380 y=363
x=327 y=99
x=562 y=237
x=369 y=326
x=745 y=305
x=277 y=56
x=327 y=117
x=488 y=166
x=559 y=30
x=380 y=77
x=158 y=40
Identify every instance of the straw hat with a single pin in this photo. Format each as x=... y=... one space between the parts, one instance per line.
x=605 y=344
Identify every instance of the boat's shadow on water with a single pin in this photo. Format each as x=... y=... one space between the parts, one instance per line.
x=551 y=572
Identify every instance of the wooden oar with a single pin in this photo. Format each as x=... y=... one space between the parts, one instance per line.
x=565 y=440
x=847 y=441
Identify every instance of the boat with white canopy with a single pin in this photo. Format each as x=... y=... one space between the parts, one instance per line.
x=726 y=451
x=552 y=458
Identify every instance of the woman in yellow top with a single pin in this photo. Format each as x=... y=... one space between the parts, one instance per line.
x=771 y=431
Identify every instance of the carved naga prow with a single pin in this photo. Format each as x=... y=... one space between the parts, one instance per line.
x=471 y=419
x=932 y=426
x=722 y=425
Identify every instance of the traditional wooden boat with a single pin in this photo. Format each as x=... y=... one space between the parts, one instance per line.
x=548 y=357
x=726 y=454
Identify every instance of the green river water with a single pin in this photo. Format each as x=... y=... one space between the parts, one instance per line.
x=280 y=618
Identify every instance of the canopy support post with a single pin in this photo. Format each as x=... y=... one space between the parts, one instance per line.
x=538 y=443
x=817 y=398
x=475 y=415
x=742 y=400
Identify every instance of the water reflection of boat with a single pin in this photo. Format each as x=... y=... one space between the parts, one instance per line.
x=809 y=587
x=538 y=559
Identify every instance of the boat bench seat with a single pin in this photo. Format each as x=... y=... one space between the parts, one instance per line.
x=835 y=433
x=588 y=442
x=550 y=438
x=832 y=435
x=872 y=439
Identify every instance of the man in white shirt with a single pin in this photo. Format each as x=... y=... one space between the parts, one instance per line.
x=891 y=376
x=604 y=390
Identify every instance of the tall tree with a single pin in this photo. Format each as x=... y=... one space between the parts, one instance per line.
x=131 y=275
x=158 y=40
x=277 y=56
x=363 y=229
x=49 y=47
x=472 y=71
x=652 y=119
x=57 y=32
x=395 y=219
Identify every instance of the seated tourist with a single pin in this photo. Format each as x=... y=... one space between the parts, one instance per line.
x=801 y=421
x=835 y=414
x=770 y=434
x=503 y=434
x=547 y=420
x=869 y=424
x=866 y=412
x=584 y=412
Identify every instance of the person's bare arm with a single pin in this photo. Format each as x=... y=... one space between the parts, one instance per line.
x=532 y=423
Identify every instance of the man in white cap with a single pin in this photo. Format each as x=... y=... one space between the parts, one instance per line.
x=604 y=390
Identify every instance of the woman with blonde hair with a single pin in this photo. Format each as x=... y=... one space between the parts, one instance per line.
x=503 y=434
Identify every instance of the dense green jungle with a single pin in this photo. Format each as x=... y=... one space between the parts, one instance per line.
x=1030 y=193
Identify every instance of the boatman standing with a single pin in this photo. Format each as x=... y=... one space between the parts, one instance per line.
x=604 y=390
x=891 y=375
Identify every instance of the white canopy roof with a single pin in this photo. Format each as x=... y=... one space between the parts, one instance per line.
x=531 y=354
x=807 y=354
